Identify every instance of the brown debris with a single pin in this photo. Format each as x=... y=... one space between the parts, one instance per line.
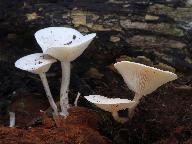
x=27 y=107
x=79 y=128
x=70 y=134
x=94 y=73
x=79 y=116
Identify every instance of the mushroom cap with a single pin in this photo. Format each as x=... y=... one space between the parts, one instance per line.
x=64 y=44
x=143 y=79
x=36 y=63
x=110 y=104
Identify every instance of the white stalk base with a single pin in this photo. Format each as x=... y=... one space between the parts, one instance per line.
x=118 y=118
x=12 y=119
x=137 y=98
x=64 y=101
x=48 y=93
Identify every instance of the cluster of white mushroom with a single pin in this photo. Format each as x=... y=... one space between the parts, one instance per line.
x=63 y=44
x=139 y=78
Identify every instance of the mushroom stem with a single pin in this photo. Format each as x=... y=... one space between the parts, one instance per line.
x=12 y=119
x=48 y=93
x=118 y=118
x=77 y=98
x=64 y=101
x=137 y=98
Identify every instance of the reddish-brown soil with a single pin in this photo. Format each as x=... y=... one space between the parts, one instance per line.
x=80 y=116
x=78 y=128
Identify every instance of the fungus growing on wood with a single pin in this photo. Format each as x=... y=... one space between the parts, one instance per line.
x=142 y=79
x=39 y=63
x=64 y=44
x=112 y=105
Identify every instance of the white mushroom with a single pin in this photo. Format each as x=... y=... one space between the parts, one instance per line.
x=64 y=44
x=142 y=79
x=12 y=119
x=39 y=63
x=77 y=98
x=112 y=105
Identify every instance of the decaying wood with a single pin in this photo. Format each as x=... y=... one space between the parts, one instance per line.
x=154 y=28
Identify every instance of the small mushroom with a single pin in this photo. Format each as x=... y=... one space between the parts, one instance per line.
x=112 y=105
x=77 y=98
x=39 y=63
x=142 y=79
x=12 y=119
x=64 y=44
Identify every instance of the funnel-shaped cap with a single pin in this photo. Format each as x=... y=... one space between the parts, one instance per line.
x=143 y=79
x=64 y=44
x=36 y=63
x=109 y=104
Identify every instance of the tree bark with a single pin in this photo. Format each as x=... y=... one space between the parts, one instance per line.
x=157 y=29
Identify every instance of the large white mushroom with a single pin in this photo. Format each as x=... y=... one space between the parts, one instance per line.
x=142 y=79
x=64 y=44
x=112 y=105
x=39 y=63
